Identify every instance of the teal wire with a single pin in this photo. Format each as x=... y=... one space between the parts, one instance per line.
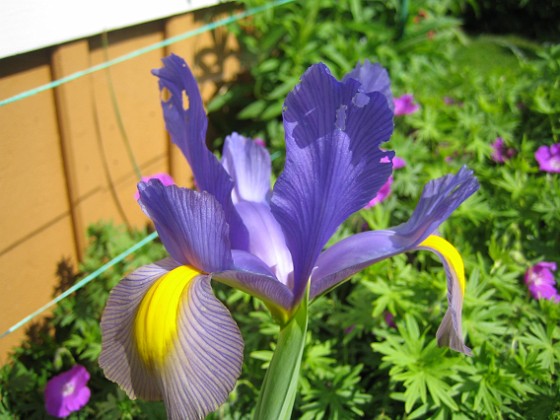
x=83 y=282
x=141 y=51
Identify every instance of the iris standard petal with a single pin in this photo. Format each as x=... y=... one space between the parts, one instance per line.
x=333 y=162
x=248 y=164
x=449 y=333
x=266 y=239
x=373 y=78
x=119 y=357
x=186 y=123
x=190 y=224
x=345 y=258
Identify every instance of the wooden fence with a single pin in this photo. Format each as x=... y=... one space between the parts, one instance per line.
x=63 y=162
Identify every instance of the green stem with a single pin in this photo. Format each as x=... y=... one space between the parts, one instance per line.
x=278 y=392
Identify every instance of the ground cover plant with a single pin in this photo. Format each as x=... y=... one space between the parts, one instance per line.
x=371 y=349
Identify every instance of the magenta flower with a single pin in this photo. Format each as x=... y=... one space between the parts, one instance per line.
x=67 y=392
x=540 y=281
x=260 y=142
x=500 y=152
x=405 y=105
x=385 y=190
x=549 y=158
x=165 y=179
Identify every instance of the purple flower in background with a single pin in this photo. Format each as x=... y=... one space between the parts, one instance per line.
x=165 y=335
x=405 y=105
x=165 y=179
x=390 y=319
x=540 y=281
x=385 y=190
x=67 y=392
x=548 y=158
x=500 y=152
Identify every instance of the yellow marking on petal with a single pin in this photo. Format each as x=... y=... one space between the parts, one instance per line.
x=451 y=256
x=155 y=326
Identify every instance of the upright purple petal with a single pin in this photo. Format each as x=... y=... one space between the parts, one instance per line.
x=372 y=78
x=333 y=162
x=345 y=258
x=186 y=123
x=248 y=164
x=191 y=225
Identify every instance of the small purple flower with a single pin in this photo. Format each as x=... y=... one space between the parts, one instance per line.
x=390 y=319
x=405 y=105
x=500 y=152
x=385 y=190
x=540 y=281
x=165 y=179
x=549 y=158
x=67 y=392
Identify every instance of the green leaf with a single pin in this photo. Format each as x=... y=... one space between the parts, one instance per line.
x=278 y=392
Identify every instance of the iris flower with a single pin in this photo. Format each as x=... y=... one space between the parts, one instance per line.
x=165 y=335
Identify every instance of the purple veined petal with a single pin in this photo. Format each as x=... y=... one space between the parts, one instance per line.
x=187 y=124
x=333 y=162
x=206 y=362
x=191 y=225
x=119 y=357
x=166 y=336
x=439 y=199
x=373 y=78
x=449 y=333
x=165 y=179
x=266 y=240
x=248 y=164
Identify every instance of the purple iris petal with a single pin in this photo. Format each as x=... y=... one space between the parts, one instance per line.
x=540 y=281
x=349 y=256
x=405 y=105
x=248 y=164
x=187 y=124
x=333 y=162
x=548 y=158
x=67 y=392
x=372 y=78
x=191 y=225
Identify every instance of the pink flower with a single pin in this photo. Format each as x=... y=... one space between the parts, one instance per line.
x=260 y=142
x=540 y=281
x=385 y=190
x=165 y=179
x=390 y=319
x=501 y=153
x=549 y=158
x=67 y=392
x=405 y=105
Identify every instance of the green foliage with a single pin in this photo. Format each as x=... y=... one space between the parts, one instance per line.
x=356 y=364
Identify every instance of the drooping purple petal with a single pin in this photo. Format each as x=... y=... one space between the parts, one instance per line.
x=204 y=365
x=372 y=78
x=119 y=357
x=191 y=225
x=248 y=164
x=449 y=333
x=67 y=392
x=439 y=199
x=186 y=123
x=199 y=366
x=333 y=162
